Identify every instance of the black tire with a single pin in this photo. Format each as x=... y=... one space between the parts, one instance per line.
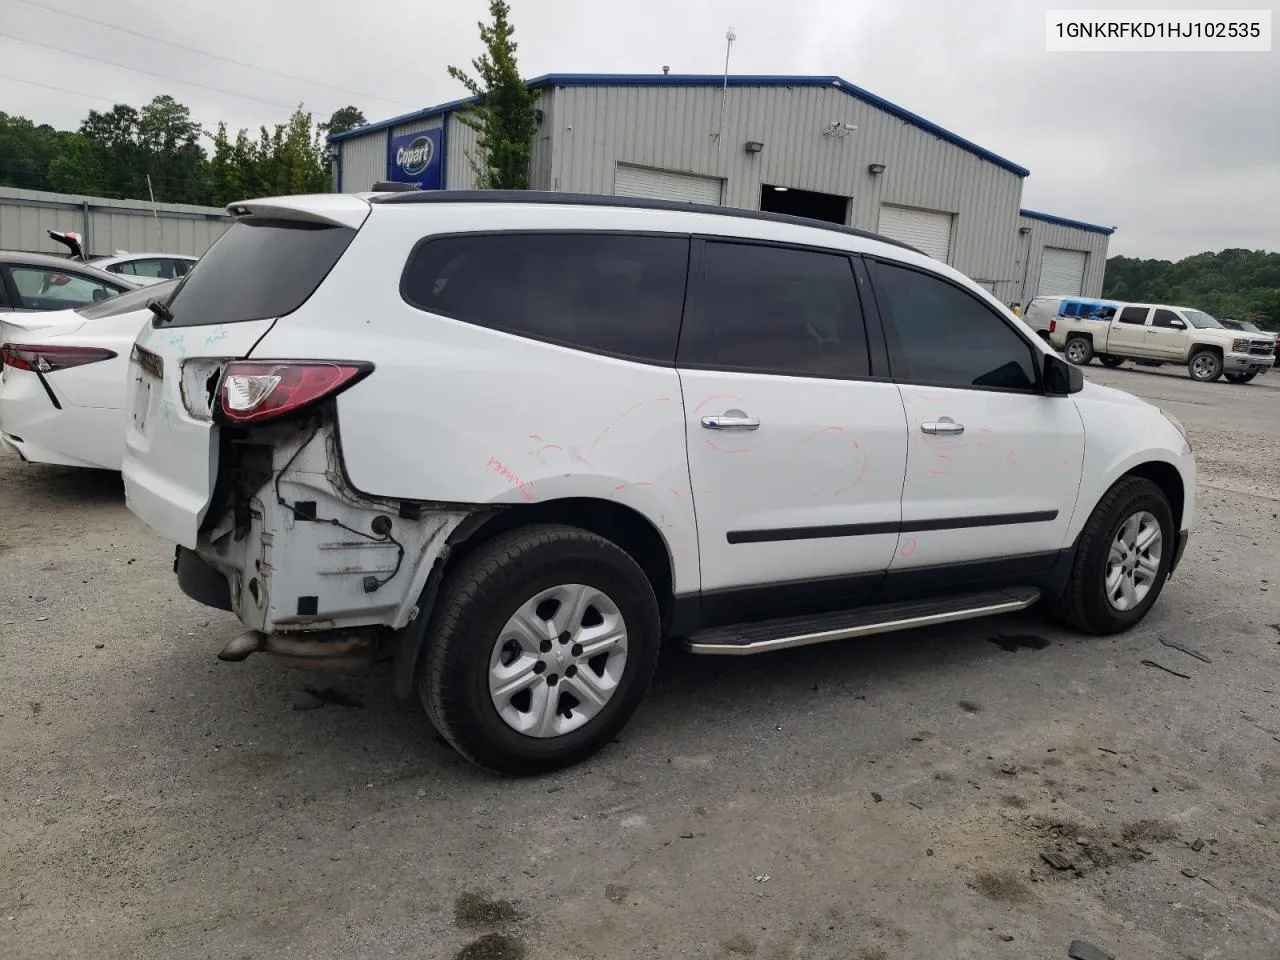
x=1205 y=366
x=474 y=604
x=1084 y=603
x=1240 y=377
x=1082 y=352
x=1111 y=362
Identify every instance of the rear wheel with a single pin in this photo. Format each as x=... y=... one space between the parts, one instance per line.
x=1122 y=559
x=1112 y=362
x=1205 y=366
x=1079 y=350
x=1240 y=377
x=541 y=646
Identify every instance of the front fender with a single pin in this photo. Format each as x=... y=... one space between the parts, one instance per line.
x=1121 y=438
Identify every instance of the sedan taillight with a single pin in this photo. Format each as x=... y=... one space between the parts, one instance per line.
x=254 y=391
x=39 y=358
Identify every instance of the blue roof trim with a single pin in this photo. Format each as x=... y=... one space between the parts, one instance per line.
x=1064 y=222
x=708 y=80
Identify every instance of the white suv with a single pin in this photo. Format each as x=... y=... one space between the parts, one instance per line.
x=516 y=441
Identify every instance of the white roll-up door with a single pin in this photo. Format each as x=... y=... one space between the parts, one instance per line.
x=1061 y=272
x=632 y=181
x=929 y=231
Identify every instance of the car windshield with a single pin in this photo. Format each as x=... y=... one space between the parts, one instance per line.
x=1251 y=327
x=1201 y=320
x=130 y=300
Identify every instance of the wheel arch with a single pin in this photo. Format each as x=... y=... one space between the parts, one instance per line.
x=622 y=525
x=1165 y=476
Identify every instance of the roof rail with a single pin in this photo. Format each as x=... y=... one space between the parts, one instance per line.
x=394 y=186
x=635 y=203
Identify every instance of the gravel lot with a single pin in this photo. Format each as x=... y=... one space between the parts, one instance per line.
x=876 y=800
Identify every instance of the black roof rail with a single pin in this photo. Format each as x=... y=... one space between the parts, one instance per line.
x=393 y=186
x=635 y=203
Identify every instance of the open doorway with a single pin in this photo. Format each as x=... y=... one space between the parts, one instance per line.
x=804 y=203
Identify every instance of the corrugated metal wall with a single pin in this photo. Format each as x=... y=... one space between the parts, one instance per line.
x=460 y=144
x=364 y=161
x=673 y=127
x=106 y=225
x=1044 y=234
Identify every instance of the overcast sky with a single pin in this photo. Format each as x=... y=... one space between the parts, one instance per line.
x=1180 y=151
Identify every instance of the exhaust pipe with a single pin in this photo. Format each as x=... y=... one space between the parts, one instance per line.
x=242 y=646
x=321 y=651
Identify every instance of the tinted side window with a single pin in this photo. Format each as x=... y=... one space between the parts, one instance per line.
x=1136 y=315
x=616 y=294
x=1165 y=318
x=938 y=334
x=777 y=310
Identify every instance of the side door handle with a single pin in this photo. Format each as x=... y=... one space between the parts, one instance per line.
x=732 y=421
x=943 y=426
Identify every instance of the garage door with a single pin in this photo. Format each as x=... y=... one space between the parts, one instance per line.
x=1061 y=272
x=632 y=181
x=927 y=230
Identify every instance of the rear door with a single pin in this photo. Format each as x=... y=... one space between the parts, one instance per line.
x=265 y=267
x=796 y=452
x=1128 y=332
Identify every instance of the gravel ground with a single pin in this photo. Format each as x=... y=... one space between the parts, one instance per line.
x=883 y=799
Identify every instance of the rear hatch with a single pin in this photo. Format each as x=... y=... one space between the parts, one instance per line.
x=265 y=267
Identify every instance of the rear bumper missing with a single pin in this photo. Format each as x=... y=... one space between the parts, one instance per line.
x=201 y=582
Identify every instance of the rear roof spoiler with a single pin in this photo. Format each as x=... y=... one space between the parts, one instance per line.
x=327 y=209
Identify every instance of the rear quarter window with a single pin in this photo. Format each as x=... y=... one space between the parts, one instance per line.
x=259 y=269
x=618 y=294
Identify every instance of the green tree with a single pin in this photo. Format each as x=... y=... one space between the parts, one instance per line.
x=504 y=116
x=80 y=168
x=1243 y=284
x=342 y=120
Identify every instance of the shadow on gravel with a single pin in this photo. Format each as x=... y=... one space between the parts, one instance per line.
x=258 y=726
x=62 y=484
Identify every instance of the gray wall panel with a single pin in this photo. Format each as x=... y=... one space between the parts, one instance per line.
x=1044 y=234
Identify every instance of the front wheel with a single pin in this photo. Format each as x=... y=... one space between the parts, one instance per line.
x=1122 y=559
x=542 y=644
x=1241 y=377
x=1079 y=350
x=1112 y=362
x=1205 y=366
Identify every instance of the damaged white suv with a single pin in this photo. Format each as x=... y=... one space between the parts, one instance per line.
x=516 y=441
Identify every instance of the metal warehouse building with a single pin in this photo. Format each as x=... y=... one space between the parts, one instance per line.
x=814 y=146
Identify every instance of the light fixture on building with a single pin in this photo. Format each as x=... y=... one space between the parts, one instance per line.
x=1024 y=230
x=838 y=131
x=781 y=189
x=753 y=146
x=875 y=169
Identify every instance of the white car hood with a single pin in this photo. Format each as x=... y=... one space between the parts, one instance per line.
x=1097 y=393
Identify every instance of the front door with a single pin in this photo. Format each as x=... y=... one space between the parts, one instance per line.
x=796 y=458
x=993 y=464
x=1167 y=337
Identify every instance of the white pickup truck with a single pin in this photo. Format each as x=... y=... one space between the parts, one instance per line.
x=1163 y=334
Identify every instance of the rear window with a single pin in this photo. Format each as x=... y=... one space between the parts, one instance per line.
x=257 y=270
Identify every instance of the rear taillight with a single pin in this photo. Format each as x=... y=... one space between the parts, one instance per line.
x=47 y=359
x=254 y=391
x=1053 y=325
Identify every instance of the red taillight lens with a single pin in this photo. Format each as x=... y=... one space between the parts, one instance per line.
x=256 y=391
x=1053 y=325
x=46 y=359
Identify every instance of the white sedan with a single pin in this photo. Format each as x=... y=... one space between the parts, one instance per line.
x=62 y=379
x=146 y=268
